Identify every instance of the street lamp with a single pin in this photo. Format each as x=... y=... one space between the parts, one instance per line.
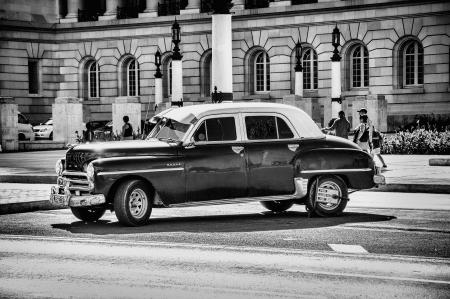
x=298 y=57
x=176 y=39
x=158 y=73
x=336 y=42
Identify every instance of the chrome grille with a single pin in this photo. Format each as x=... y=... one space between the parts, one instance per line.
x=76 y=159
x=74 y=181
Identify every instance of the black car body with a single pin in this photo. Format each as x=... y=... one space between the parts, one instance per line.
x=216 y=154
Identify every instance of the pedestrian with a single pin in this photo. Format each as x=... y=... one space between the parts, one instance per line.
x=363 y=111
x=377 y=140
x=362 y=134
x=127 y=129
x=341 y=126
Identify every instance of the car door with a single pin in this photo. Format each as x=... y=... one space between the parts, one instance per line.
x=215 y=163
x=270 y=146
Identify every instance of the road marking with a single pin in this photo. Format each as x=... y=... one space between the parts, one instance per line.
x=344 y=248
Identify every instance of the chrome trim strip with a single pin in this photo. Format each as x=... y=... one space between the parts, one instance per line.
x=231 y=201
x=74 y=173
x=139 y=171
x=336 y=170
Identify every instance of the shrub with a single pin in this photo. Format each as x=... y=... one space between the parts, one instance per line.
x=421 y=141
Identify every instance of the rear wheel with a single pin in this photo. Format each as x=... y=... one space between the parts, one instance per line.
x=327 y=197
x=277 y=205
x=133 y=203
x=88 y=214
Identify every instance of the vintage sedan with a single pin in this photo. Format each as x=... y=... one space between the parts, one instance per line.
x=215 y=154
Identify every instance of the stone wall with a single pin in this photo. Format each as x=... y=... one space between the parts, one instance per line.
x=380 y=27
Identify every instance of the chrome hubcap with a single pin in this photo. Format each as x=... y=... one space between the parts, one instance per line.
x=138 y=203
x=332 y=190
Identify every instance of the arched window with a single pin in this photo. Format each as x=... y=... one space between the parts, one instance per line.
x=92 y=79
x=133 y=78
x=359 y=66
x=205 y=74
x=167 y=76
x=412 y=63
x=262 y=72
x=310 y=72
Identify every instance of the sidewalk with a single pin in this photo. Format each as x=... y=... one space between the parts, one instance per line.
x=25 y=178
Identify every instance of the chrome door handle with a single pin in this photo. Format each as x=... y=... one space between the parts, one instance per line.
x=237 y=149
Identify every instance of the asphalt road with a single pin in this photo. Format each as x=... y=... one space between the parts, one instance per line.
x=385 y=245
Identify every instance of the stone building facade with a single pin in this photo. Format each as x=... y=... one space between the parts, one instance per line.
x=102 y=51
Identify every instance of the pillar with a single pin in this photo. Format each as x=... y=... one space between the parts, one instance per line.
x=177 y=79
x=129 y=106
x=335 y=87
x=111 y=10
x=151 y=9
x=158 y=91
x=222 y=61
x=298 y=84
x=67 y=114
x=376 y=106
x=192 y=7
x=9 y=125
x=72 y=11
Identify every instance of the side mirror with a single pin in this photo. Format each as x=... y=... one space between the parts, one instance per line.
x=191 y=143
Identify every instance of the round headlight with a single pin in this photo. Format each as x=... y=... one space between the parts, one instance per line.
x=90 y=171
x=59 y=167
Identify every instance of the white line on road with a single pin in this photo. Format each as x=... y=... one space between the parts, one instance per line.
x=348 y=248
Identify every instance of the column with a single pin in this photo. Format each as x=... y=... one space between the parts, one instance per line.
x=192 y=7
x=129 y=106
x=72 y=11
x=177 y=79
x=151 y=9
x=222 y=60
x=111 y=10
x=67 y=114
x=335 y=88
x=298 y=83
x=9 y=125
x=158 y=88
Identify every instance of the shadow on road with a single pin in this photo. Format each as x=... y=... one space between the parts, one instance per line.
x=267 y=221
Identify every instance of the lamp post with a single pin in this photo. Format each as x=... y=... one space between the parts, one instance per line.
x=336 y=99
x=298 y=70
x=222 y=54
x=177 y=66
x=158 y=80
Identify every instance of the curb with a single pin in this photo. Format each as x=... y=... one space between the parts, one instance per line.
x=29 y=179
x=439 y=162
x=413 y=188
x=24 y=207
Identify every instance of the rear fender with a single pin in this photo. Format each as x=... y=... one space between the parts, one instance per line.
x=354 y=166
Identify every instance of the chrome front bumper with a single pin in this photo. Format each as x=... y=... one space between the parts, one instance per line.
x=69 y=200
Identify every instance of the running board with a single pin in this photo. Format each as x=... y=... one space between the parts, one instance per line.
x=231 y=201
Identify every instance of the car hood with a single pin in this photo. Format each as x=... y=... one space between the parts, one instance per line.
x=79 y=155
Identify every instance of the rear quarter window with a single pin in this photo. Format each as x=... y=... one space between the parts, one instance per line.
x=264 y=127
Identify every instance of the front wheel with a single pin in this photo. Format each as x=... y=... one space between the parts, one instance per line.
x=277 y=206
x=133 y=203
x=88 y=214
x=327 y=196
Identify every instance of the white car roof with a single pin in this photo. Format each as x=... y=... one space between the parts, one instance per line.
x=303 y=123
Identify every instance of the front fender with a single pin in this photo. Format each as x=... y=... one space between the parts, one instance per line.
x=164 y=173
x=356 y=167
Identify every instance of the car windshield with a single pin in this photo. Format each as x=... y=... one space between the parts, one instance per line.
x=49 y=122
x=169 y=130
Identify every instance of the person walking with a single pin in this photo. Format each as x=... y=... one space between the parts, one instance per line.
x=127 y=129
x=362 y=134
x=377 y=140
x=341 y=126
x=363 y=111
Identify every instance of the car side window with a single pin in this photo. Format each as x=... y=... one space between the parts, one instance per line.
x=22 y=119
x=284 y=132
x=216 y=129
x=263 y=127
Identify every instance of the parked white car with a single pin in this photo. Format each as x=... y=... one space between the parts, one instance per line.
x=25 y=128
x=44 y=131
